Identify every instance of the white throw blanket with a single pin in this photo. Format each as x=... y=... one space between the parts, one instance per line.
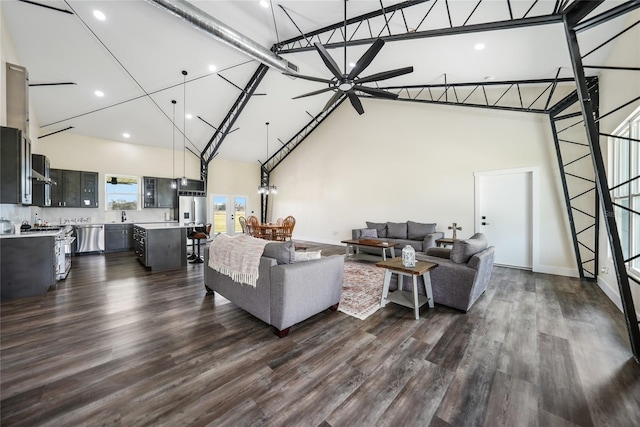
x=237 y=257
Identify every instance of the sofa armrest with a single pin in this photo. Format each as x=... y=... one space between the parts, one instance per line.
x=430 y=240
x=355 y=233
x=300 y=290
x=439 y=252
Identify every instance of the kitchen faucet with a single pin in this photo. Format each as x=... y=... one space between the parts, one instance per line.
x=124 y=216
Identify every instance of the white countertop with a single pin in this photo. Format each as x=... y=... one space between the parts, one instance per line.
x=162 y=226
x=32 y=234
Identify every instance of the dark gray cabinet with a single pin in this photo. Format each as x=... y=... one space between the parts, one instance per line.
x=161 y=248
x=158 y=193
x=41 y=190
x=15 y=167
x=74 y=189
x=28 y=266
x=118 y=237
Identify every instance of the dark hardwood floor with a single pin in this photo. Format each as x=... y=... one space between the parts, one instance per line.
x=117 y=345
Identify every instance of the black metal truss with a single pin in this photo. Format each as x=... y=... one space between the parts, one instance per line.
x=365 y=29
x=590 y=124
x=212 y=147
x=272 y=162
x=507 y=95
x=579 y=187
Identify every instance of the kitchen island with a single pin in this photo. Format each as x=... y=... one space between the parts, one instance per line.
x=161 y=246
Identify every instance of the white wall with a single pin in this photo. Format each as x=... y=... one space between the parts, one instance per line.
x=231 y=178
x=616 y=89
x=416 y=162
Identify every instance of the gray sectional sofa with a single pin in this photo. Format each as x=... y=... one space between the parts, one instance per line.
x=287 y=292
x=419 y=235
x=462 y=275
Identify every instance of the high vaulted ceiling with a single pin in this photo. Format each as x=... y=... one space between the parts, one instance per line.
x=136 y=55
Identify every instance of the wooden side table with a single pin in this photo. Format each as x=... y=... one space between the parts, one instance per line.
x=407 y=299
x=445 y=241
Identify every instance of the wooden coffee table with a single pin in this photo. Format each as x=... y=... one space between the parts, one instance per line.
x=408 y=299
x=356 y=244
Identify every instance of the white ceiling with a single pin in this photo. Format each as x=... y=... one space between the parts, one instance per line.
x=137 y=54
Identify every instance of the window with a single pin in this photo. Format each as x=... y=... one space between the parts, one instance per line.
x=122 y=192
x=624 y=154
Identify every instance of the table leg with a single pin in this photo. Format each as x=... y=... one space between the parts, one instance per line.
x=416 y=307
x=385 y=287
x=347 y=251
x=384 y=254
x=393 y=252
x=427 y=288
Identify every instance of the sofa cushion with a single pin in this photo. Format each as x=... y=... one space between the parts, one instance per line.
x=307 y=255
x=368 y=232
x=283 y=252
x=397 y=230
x=381 y=227
x=462 y=250
x=418 y=230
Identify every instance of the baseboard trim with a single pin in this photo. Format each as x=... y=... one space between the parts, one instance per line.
x=558 y=271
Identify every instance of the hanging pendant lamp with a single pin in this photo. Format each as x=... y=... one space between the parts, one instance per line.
x=183 y=181
x=267 y=189
x=174 y=183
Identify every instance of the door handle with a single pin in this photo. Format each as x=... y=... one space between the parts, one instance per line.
x=485 y=223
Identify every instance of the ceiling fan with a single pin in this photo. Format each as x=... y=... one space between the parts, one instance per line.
x=348 y=83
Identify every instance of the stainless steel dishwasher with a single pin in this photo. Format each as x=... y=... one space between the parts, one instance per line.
x=89 y=238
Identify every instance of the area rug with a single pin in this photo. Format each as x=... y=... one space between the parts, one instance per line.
x=361 y=289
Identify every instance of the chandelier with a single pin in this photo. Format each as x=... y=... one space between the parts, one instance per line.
x=267 y=189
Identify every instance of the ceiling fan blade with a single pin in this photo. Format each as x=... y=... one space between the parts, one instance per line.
x=316 y=92
x=366 y=59
x=375 y=92
x=328 y=61
x=313 y=79
x=386 y=75
x=355 y=102
x=333 y=99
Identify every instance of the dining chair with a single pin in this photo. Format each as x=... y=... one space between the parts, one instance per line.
x=279 y=221
x=288 y=224
x=253 y=226
x=243 y=223
x=199 y=235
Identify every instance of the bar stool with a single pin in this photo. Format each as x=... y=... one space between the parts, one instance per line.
x=200 y=235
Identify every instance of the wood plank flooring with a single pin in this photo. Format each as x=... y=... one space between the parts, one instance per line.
x=115 y=344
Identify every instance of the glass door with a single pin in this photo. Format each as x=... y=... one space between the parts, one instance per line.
x=226 y=213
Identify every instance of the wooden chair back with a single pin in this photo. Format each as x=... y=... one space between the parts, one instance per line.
x=243 y=223
x=288 y=224
x=253 y=226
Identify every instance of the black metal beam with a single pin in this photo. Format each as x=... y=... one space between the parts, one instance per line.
x=608 y=15
x=476 y=28
x=579 y=9
x=491 y=83
x=602 y=185
x=460 y=104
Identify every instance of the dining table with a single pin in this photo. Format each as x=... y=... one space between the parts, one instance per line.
x=270 y=231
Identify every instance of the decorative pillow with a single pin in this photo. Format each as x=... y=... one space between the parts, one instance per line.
x=418 y=230
x=282 y=252
x=397 y=230
x=462 y=250
x=368 y=232
x=307 y=255
x=381 y=227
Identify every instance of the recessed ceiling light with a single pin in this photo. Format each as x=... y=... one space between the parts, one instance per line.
x=212 y=68
x=99 y=15
x=264 y=3
x=126 y=135
x=479 y=46
x=189 y=116
x=99 y=93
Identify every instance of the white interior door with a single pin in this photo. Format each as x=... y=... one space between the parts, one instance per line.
x=504 y=215
x=226 y=213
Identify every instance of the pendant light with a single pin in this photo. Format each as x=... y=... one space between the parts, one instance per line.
x=183 y=181
x=174 y=183
x=267 y=189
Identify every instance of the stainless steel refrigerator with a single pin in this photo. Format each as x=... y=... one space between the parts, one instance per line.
x=192 y=209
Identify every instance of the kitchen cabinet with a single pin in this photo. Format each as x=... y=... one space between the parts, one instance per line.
x=160 y=247
x=28 y=266
x=75 y=189
x=118 y=237
x=17 y=93
x=158 y=193
x=15 y=167
x=41 y=189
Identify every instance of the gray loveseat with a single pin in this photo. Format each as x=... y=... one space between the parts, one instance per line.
x=419 y=235
x=286 y=292
x=462 y=274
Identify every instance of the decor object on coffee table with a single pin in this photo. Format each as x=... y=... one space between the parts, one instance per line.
x=454 y=227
